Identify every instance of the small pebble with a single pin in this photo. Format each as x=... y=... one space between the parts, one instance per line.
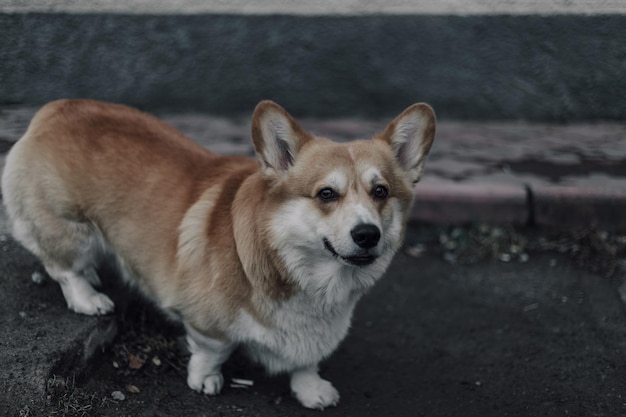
x=132 y=389
x=38 y=278
x=415 y=251
x=450 y=245
x=505 y=257
x=156 y=361
x=135 y=362
x=523 y=257
x=456 y=233
x=449 y=257
x=118 y=395
x=531 y=307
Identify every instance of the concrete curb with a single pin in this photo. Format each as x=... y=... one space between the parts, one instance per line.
x=579 y=206
x=531 y=205
x=443 y=202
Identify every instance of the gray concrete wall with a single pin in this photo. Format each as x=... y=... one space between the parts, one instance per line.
x=564 y=67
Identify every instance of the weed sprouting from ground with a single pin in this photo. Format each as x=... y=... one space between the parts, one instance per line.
x=25 y=412
x=68 y=400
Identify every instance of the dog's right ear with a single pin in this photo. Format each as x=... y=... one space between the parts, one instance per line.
x=277 y=138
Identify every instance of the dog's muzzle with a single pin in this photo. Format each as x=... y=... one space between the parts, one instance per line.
x=356 y=260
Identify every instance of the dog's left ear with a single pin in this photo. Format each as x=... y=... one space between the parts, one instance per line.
x=277 y=138
x=410 y=136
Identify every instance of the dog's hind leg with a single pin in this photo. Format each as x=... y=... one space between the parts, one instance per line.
x=80 y=296
x=48 y=222
x=69 y=251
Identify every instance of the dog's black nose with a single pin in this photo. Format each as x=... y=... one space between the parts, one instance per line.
x=365 y=235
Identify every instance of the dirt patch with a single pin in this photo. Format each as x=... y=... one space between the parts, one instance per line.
x=595 y=250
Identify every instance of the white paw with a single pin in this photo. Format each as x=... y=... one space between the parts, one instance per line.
x=95 y=304
x=210 y=384
x=315 y=393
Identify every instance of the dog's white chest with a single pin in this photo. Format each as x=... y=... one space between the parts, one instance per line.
x=301 y=334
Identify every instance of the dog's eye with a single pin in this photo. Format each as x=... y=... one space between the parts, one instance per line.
x=327 y=194
x=380 y=192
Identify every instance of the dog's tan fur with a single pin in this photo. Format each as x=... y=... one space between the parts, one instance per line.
x=201 y=234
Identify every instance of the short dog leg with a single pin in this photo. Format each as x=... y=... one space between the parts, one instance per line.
x=207 y=357
x=79 y=294
x=311 y=390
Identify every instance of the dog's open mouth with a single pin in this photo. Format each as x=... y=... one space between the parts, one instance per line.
x=357 y=260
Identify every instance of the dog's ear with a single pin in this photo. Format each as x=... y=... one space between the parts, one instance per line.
x=277 y=138
x=410 y=136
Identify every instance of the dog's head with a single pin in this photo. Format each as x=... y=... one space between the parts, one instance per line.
x=338 y=210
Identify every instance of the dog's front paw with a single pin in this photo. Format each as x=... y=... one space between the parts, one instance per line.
x=313 y=391
x=209 y=384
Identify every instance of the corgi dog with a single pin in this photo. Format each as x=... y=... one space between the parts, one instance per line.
x=268 y=254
